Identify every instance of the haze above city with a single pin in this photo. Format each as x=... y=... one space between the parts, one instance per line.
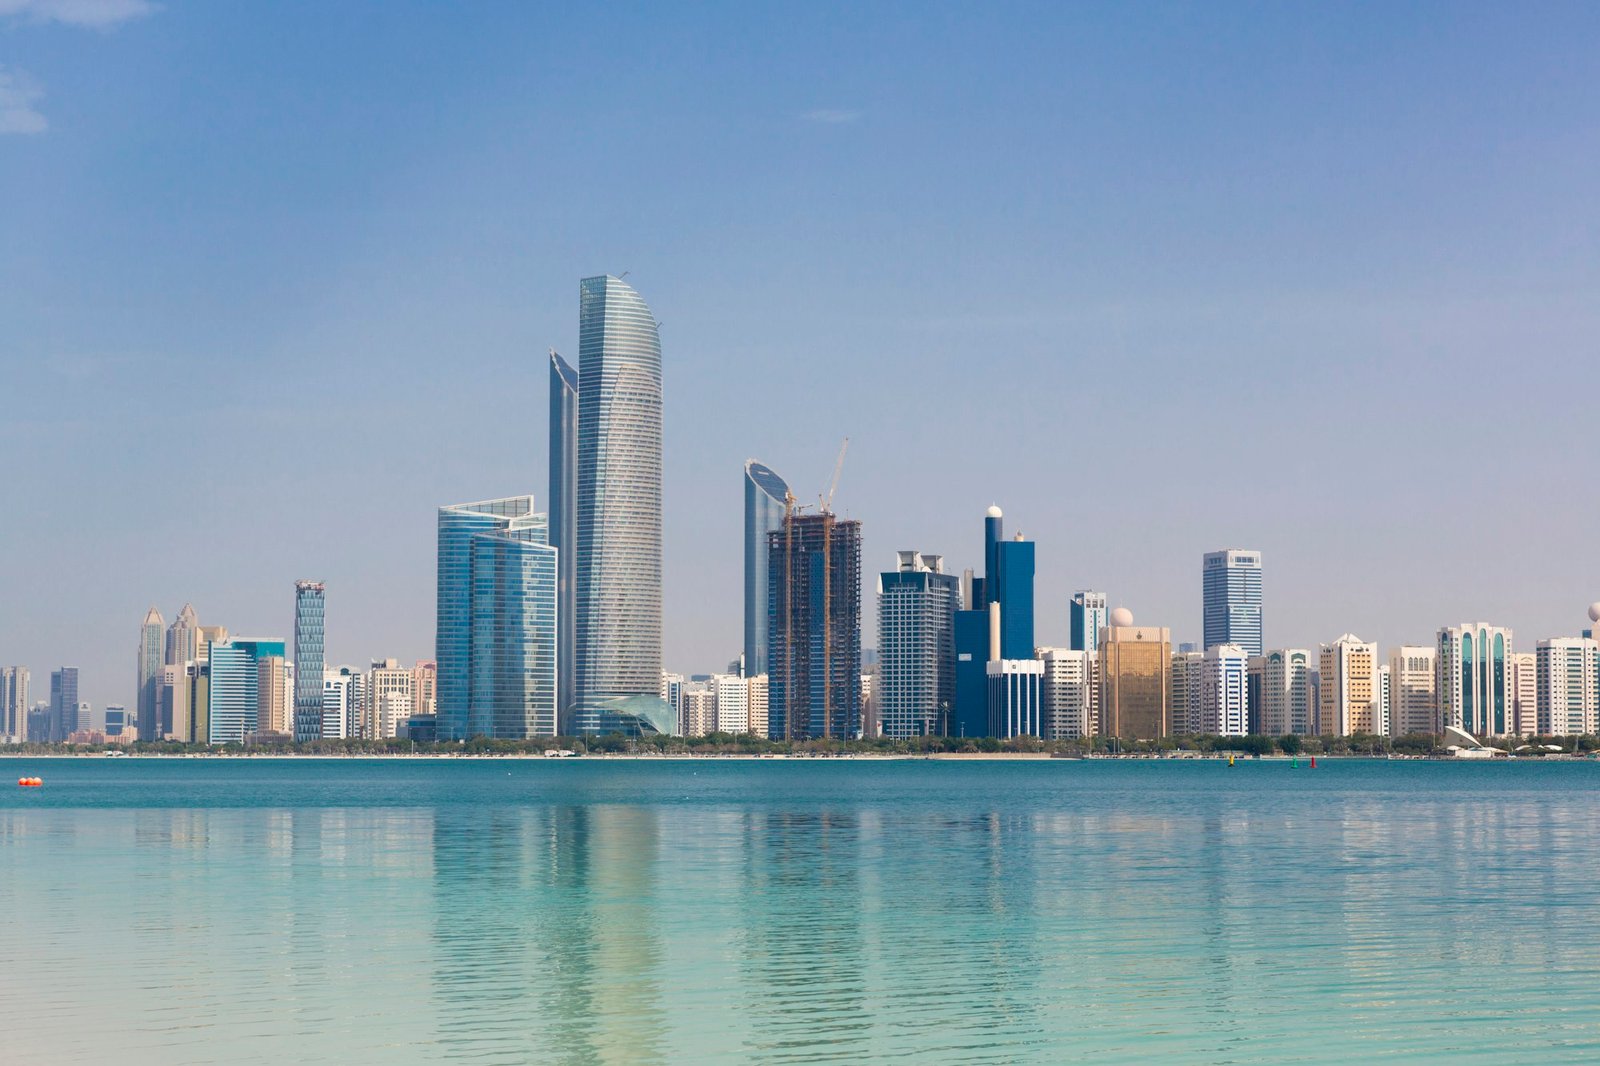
x=276 y=284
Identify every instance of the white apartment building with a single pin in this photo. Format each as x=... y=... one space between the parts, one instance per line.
x=1224 y=691
x=1412 y=703
x=1568 y=686
x=1068 y=683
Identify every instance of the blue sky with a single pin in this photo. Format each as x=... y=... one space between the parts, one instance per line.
x=278 y=280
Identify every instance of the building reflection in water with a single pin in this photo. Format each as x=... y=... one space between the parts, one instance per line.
x=546 y=944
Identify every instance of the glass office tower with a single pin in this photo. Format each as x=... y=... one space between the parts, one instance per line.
x=618 y=624
x=564 y=527
x=1089 y=616
x=233 y=698
x=814 y=629
x=497 y=621
x=152 y=655
x=1231 y=595
x=765 y=496
x=309 y=658
x=917 y=604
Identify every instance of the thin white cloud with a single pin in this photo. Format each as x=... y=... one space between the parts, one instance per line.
x=94 y=14
x=829 y=115
x=18 y=92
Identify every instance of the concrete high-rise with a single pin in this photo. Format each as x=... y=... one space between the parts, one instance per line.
x=152 y=657
x=1569 y=686
x=1412 y=704
x=766 y=497
x=14 y=704
x=1088 y=617
x=497 y=621
x=1186 y=691
x=814 y=631
x=1224 y=702
x=310 y=599
x=564 y=529
x=1473 y=678
x=1348 y=670
x=1068 y=678
x=1524 y=671
x=916 y=647
x=618 y=630
x=1287 y=702
x=1135 y=679
x=1231 y=597
x=183 y=637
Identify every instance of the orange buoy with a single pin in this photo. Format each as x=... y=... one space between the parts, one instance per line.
x=30 y=782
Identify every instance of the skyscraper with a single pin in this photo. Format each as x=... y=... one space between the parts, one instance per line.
x=63 y=703
x=1524 y=672
x=1474 y=682
x=152 y=657
x=183 y=637
x=309 y=657
x=916 y=646
x=814 y=634
x=497 y=621
x=1231 y=593
x=618 y=630
x=1187 y=693
x=1088 y=619
x=14 y=704
x=564 y=529
x=765 y=497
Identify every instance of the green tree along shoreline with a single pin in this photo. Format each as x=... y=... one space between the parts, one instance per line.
x=745 y=744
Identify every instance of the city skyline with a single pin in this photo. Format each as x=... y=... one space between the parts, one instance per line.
x=1316 y=285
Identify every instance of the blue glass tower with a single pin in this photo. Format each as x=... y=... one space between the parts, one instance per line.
x=765 y=498
x=971 y=717
x=1089 y=616
x=915 y=691
x=1231 y=599
x=564 y=528
x=310 y=597
x=495 y=640
x=1012 y=585
x=234 y=689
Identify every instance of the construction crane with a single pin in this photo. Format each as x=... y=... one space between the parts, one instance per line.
x=825 y=503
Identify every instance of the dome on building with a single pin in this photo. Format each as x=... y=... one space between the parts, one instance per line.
x=1594 y=612
x=1122 y=617
x=995 y=512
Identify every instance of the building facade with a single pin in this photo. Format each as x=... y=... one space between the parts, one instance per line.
x=1068 y=680
x=14 y=704
x=563 y=484
x=1568 y=697
x=1349 y=673
x=1231 y=599
x=814 y=628
x=183 y=638
x=618 y=584
x=1288 y=704
x=1016 y=698
x=1135 y=680
x=766 y=496
x=1473 y=683
x=1088 y=614
x=1224 y=693
x=234 y=693
x=309 y=658
x=152 y=657
x=1524 y=670
x=1187 y=713
x=496 y=631
x=915 y=688
x=63 y=717
x=1412 y=704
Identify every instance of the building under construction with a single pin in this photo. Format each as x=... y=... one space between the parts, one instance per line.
x=814 y=627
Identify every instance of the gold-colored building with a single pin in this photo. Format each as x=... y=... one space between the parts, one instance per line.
x=1135 y=681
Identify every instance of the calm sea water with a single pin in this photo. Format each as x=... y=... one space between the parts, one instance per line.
x=496 y=911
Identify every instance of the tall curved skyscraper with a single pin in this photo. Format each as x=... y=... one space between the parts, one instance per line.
x=618 y=640
x=764 y=496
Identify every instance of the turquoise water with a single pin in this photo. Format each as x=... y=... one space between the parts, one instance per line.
x=509 y=911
